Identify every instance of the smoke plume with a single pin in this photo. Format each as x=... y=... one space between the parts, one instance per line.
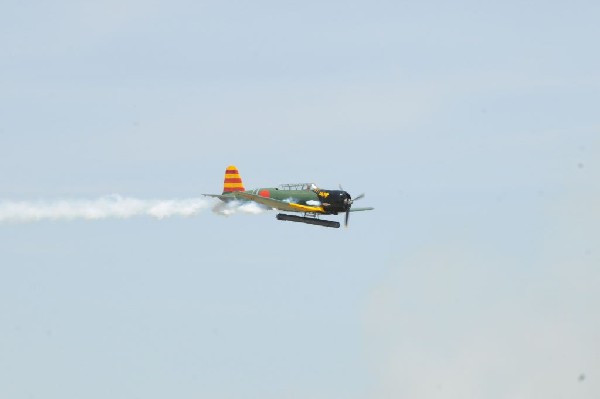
x=233 y=207
x=114 y=206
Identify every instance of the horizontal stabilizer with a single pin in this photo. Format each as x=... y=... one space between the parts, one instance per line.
x=220 y=196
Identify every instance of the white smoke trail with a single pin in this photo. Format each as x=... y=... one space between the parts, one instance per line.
x=233 y=207
x=112 y=206
x=116 y=206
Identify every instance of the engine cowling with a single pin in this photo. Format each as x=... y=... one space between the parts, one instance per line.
x=335 y=201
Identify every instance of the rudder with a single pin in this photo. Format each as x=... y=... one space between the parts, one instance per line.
x=233 y=181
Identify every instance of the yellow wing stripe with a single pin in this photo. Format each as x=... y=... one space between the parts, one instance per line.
x=306 y=208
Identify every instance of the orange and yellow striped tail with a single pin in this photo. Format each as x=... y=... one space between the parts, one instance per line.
x=233 y=181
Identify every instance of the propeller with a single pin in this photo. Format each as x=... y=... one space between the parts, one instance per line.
x=349 y=201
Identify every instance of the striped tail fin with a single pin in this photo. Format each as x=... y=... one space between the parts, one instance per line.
x=233 y=181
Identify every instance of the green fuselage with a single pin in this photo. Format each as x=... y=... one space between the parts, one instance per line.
x=303 y=197
x=329 y=201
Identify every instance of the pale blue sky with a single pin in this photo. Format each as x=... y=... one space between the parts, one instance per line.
x=473 y=128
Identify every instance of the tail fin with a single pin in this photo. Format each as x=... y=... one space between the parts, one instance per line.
x=233 y=181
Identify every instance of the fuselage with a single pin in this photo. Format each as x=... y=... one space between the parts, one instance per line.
x=323 y=201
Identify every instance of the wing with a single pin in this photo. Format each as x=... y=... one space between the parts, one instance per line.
x=280 y=205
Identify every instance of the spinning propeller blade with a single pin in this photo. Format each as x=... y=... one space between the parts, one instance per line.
x=349 y=203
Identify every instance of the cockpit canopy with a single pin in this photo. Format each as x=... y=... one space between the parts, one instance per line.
x=299 y=186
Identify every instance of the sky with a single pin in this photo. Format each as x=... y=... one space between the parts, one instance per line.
x=472 y=128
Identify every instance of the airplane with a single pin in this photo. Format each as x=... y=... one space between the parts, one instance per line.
x=304 y=198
